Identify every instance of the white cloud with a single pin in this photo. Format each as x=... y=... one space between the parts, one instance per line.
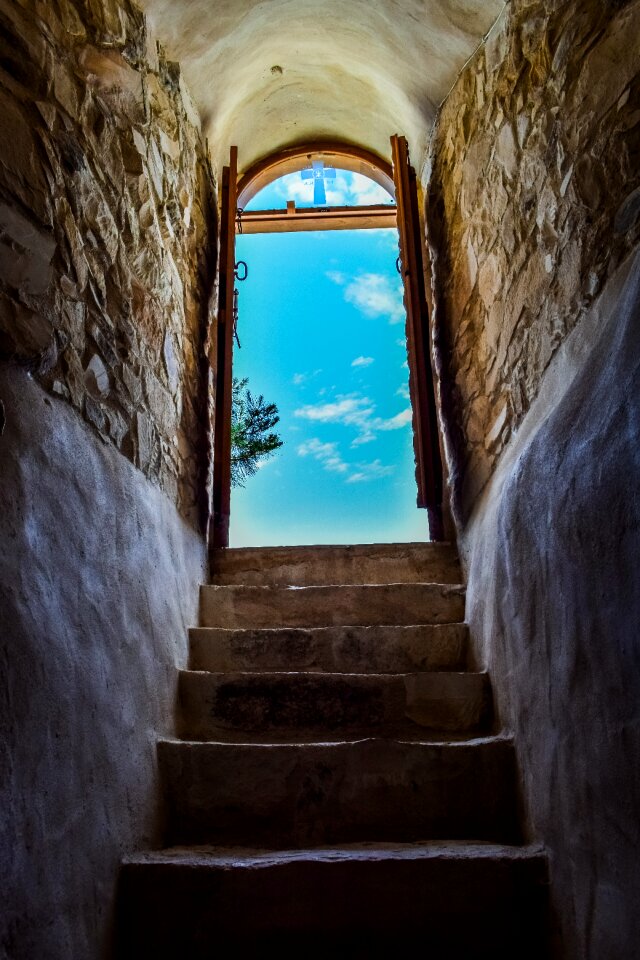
x=376 y=296
x=395 y=423
x=336 y=276
x=299 y=378
x=293 y=187
x=403 y=392
x=345 y=189
x=349 y=410
x=365 y=437
x=369 y=471
x=326 y=453
x=353 y=410
x=364 y=191
x=362 y=362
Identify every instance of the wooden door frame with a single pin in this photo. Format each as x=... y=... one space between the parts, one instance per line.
x=429 y=473
x=426 y=439
x=224 y=357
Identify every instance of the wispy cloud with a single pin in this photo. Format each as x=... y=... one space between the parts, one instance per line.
x=349 y=410
x=374 y=294
x=369 y=471
x=299 y=378
x=355 y=411
x=362 y=362
x=403 y=391
x=395 y=423
x=346 y=189
x=328 y=455
x=364 y=191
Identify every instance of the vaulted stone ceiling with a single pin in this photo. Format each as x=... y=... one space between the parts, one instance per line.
x=266 y=74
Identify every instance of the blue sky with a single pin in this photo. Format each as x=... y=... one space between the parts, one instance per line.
x=321 y=324
x=345 y=189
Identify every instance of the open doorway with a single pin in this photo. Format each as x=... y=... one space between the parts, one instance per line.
x=332 y=302
x=322 y=323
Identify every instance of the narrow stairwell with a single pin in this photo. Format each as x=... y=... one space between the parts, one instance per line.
x=338 y=788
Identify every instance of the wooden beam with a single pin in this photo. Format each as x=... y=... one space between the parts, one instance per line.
x=309 y=218
x=421 y=383
x=224 y=365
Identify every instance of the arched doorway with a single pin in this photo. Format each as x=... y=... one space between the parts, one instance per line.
x=398 y=181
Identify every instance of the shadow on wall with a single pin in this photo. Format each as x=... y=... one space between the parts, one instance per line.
x=98 y=584
x=554 y=606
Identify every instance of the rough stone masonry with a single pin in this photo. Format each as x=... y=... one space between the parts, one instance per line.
x=533 y=202
x=107 y=231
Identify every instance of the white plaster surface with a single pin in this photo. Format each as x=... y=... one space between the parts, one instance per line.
x=98 y=585
x=554 y=605
x=358 y=71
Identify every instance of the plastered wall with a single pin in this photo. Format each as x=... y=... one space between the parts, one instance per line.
x=107 y=251
x=98 y=585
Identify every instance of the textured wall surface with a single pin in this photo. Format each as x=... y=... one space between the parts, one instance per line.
x=266 y=75
x=106 y=230
x=98 y=584
x=533 y=203
x=533 y=199
x=554 y=605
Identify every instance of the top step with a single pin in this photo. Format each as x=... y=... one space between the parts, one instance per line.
x=374 y=563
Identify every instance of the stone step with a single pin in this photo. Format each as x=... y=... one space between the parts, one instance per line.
x=253 y=707
x=242 y=607
x=459 y=901
x=333 y=649
x=317 y=565
x=293 y=795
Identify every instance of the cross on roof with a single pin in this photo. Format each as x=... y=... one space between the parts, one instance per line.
x=318 y=173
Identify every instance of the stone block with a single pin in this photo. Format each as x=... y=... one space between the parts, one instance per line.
x=309 y=794
x=345 y=605
x=389 y=649
x=26 y=252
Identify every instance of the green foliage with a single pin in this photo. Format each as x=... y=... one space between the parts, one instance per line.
x=251 y=441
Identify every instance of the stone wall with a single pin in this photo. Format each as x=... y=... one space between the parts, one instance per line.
x=107 y=256
x=107 y=231
x=533 y=199
x=533 y=207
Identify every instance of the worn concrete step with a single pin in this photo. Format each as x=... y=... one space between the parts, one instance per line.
x=332 y=649
x=457 y=901
x=243 y=607
x=317 y=565
x=309 y=706
x=292 y=795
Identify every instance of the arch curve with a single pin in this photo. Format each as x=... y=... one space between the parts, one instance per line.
x=345 y=156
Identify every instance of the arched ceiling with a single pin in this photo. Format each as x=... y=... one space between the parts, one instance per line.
x=266 y=74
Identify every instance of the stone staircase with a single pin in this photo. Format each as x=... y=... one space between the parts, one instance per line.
x=337 y=788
